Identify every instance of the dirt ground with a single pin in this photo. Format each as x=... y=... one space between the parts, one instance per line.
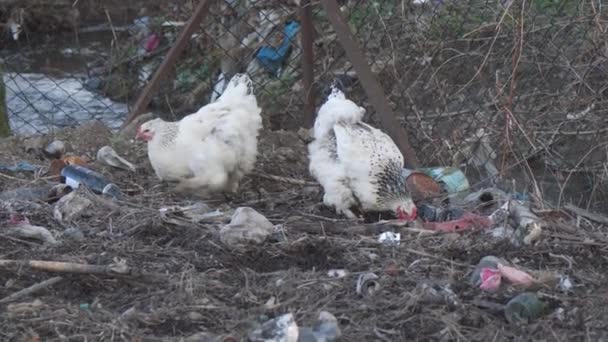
x=184 y=281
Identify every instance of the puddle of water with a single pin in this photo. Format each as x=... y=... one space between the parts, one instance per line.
x=38 y=103
x=44 y=85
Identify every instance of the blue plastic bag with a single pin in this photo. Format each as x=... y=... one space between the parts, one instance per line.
x=272 y=58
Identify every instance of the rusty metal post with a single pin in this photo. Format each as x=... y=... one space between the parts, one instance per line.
x=372 y=88
x=180 y=44
x=308 y=67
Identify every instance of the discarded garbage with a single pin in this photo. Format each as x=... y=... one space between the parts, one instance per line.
x=503 y=232
x=282 y=328
x=15 y=29
x=450 y=178
x=528 y=225
x=21 y=227
x=515 y=276
x=367 y=284
x=55 y=149
x=108 y=156
x=420 y=185
x=467 y=221
x=58 y=164
x=197 y=212
x=325 y=329
x=501 y=215
x=489 y=198
x=152 y=42
x=522 y=197
x=435 y=294
x=272 y=58
x=390 y=238
x=489 y=272
x=429 y=213
x=488 y=261
x=71 y=206
x=337 y=273
x=524 y=308
x=565 y=284
x=73 y=234
x=42 y=193
x=75 y=175
x=490 y=279
x=247 y=226
x=21 y=166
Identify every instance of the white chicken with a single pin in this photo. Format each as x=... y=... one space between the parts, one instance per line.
x=357 y=164
x=210 y=150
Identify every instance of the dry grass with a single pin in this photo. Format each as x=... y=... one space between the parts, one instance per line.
x=183 y=280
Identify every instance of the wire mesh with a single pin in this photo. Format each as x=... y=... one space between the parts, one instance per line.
x=516 y=88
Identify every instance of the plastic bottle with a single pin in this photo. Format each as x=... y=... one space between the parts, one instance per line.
x=524 y=308
x=75 y=175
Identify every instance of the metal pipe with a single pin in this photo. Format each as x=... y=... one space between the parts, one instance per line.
x=370 y=84
x=180 y=44
x=308 y=67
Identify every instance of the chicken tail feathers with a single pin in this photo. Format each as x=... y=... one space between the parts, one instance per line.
x=336 y=91
x=336 y=109
x=240 y=85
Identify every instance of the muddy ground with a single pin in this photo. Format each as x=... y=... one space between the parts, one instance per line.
x=183 y=280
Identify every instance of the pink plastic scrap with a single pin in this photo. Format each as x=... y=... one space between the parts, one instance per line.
x=468 y=221
x=491 y=277
x=152 y=42
x=515 y=276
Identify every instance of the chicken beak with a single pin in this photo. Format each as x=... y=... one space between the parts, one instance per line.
x=414 y=214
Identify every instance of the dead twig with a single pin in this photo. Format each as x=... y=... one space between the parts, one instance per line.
x=119 y=268
x=498 y=27
x=587 y=214
x=284 y=179
x=31 y=289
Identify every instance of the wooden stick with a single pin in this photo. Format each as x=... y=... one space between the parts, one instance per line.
x=284 y=179
x=32 y=289
x=68 y=267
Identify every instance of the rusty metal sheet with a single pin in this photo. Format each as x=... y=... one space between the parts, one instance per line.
x=307 y=40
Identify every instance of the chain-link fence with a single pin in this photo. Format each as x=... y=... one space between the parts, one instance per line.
x=513 y=87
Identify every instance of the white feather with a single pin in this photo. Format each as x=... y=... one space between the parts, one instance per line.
x=214 y=147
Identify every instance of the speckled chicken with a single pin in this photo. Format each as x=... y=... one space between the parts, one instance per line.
x=357 y=164
x=210 y=150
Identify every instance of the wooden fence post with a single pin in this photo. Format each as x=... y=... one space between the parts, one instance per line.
x=5 y=126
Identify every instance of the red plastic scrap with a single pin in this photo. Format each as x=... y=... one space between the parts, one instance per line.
x=468 y=221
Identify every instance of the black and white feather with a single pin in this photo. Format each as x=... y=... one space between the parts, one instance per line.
x=356 y=163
